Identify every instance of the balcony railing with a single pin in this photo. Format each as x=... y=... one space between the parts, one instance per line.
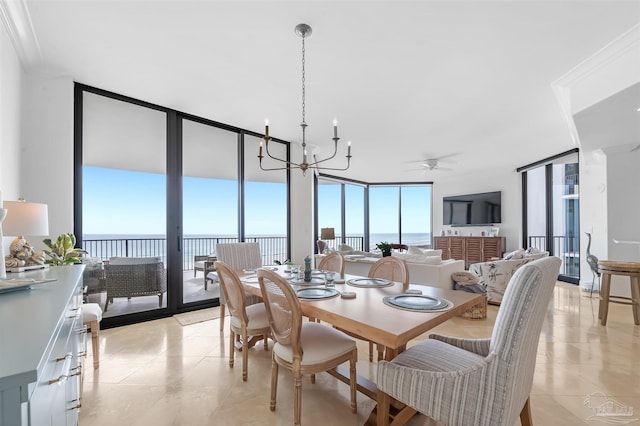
x=566 y=247
x=271 y=248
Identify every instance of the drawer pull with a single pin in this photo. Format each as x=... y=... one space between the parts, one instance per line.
x=76 y=407
x=68 y=355
x=63 y=378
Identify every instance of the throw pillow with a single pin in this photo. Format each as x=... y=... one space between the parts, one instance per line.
x=516 y=254
x=345 y=247
x=532 y=250
x=418 y=258
x=414 y=250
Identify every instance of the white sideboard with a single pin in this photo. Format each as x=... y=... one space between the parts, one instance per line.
x=39 y=343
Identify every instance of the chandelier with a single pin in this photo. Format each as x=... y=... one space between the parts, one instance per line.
x=303 y=30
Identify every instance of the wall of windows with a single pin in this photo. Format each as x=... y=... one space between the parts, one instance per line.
x=155 y=182
x=371 y=213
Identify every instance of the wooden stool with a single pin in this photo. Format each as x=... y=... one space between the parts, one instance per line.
x=627 y=269
x=91 y=317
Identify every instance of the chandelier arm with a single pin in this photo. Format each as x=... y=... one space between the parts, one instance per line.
x=271 y=156
x=333 y=168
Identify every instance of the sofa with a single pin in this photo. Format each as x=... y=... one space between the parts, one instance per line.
x=432 y=272
x=134 y=276
x=494 y=276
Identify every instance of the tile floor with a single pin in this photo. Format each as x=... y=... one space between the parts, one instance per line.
x=161 y=373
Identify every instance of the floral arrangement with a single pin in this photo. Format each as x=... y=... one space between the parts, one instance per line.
x=385 y=248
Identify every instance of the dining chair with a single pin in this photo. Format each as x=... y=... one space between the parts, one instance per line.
x=332 y=262
x=303 y=348
x=393 y=269
x=238 y=256
x=475 y=381
x=246 y=321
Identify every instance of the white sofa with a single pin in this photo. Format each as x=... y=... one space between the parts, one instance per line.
x=434 y=275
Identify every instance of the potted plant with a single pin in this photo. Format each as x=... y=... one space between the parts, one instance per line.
x=63 y=251
x=385 y=248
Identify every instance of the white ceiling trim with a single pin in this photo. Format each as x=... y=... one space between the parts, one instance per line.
x=612 y=58
x=17 y=20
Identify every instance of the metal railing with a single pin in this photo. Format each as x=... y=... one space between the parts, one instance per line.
x=566 y=247
x=271 y=248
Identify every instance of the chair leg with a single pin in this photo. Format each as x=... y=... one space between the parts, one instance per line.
x=95 y=342
x=274 y=384
x=353 y=380
x=635 y=299
x=297 y=401
x=221 y=317
x=232 y=347
x=525 y=414
x=266 y=341
x=160 y=300
x=383 y=408
x=313 y=379
x=370 y=351
x=245 y=356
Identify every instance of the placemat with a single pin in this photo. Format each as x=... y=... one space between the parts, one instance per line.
x=369 y=282
x=417 y=303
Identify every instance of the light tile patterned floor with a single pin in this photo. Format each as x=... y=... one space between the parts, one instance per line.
x=161 y=373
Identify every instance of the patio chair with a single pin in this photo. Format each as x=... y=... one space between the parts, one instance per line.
x=476 y=381
x=303 y=348
x=238 y=256
x=134 y=276
x=204 y=263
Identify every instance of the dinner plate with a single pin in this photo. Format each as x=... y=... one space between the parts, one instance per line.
x=369 y=282
x=317 y=293
x=418 y=302
x=314 y=281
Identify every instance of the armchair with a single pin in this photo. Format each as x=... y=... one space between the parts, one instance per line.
x=134 y=276
x=205 y=263
x=476 y=381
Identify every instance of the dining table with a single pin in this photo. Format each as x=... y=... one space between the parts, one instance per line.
x=365 y=314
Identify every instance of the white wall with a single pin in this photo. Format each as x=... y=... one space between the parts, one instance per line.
x=509 y=182
x=10 y=83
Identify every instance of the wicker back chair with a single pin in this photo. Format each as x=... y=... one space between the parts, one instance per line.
x=238 y=256
x=303 y=348
x=131 y=277
x=245 y=321
x=332 y=262
x=391 y=268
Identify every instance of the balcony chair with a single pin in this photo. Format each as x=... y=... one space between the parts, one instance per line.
x=134 y=276
x=303 y=348
x=238 y=256
x=245 y=321
x=475 y=381
x=204 y=263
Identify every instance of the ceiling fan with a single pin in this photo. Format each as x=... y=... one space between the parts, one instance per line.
x=431 y=164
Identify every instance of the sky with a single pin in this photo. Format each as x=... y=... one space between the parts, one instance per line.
x=130 y=202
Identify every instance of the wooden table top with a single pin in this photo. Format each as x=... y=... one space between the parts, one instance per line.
x=367 y=315
x=614 y=265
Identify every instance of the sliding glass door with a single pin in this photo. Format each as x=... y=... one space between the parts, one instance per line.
x=155 y=191
x=552 y=211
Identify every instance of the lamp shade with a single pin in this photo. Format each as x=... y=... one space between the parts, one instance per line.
x=327 y=234
x=24 y=218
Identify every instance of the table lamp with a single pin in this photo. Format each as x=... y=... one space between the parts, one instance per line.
x=21 y=219
x=327 y=234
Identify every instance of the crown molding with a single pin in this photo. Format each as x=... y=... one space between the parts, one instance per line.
x=15 y=16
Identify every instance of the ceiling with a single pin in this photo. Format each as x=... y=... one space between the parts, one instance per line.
x=407 y=81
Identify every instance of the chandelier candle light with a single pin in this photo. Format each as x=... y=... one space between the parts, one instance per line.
x=303 y=30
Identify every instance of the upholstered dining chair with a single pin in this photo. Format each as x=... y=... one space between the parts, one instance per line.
x=392 y=269
x=238 y=256
x=460 y=381
x=332 y=262
x=303 y=348
x=246 y=321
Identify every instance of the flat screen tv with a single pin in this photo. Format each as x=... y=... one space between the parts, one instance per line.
x=472 y=209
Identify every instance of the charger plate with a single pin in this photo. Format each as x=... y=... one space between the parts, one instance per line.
x=369 y=282
x=316 y=293
x=314 y=281
x=417 y=303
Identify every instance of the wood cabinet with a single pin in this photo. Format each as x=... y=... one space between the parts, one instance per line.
x=40 y=333
x=470 y=249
